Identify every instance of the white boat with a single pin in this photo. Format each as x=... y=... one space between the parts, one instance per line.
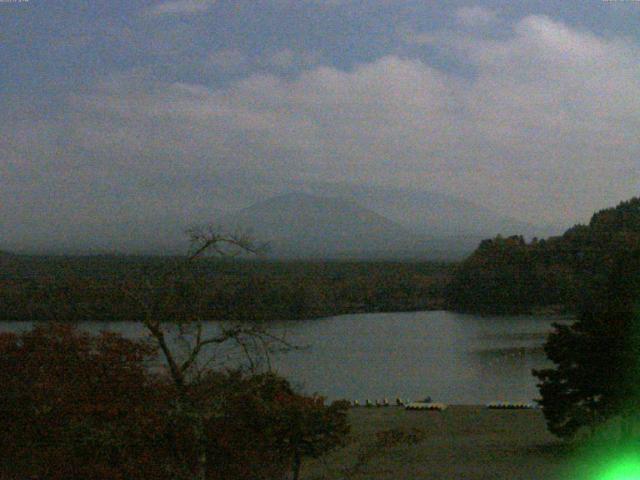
x=426 y=406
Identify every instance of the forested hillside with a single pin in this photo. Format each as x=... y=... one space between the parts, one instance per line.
x=509 y=275
x=105 y=288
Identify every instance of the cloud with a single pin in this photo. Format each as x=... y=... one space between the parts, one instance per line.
x=287 y=59
x=475 y=16
x=545 y=129
x=282 y=61
x=185 y=7
x=321 y=123
x=283 y=58
x=227 y=60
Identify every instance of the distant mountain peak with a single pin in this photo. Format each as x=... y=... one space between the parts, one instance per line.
x=428 y=213
x=303 y=224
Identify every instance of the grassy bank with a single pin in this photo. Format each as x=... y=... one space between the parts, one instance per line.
x=463 y=442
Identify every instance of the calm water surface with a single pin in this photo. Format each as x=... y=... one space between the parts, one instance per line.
x=453 y=358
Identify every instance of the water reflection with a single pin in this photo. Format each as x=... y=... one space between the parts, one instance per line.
x=453 y=358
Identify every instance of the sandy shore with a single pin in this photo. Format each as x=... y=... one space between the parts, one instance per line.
x=463 y=442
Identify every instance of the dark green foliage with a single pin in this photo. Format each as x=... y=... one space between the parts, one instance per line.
x=597 y=373
x=509 y=275
x=95 y=288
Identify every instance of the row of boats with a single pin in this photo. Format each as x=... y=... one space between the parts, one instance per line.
x=427 y=404
x=511 y=406
x=385 y=402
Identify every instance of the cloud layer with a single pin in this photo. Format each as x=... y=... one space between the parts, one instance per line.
x=545 y=129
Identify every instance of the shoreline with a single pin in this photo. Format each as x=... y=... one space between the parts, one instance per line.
x=537 y=313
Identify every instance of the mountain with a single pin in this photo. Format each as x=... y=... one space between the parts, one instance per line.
x=344 y=220
x=430 y=214
x=302 y=225
x=443 y=226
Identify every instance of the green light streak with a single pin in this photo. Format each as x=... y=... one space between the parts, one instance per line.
x=627 y=468
x=610 y=459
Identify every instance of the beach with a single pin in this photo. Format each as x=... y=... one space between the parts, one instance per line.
x=462 y=442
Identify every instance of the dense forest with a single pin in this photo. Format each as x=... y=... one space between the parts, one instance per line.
x=510 y=275
x=34 y=288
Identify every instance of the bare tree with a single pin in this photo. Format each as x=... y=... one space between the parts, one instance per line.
x=155 y=294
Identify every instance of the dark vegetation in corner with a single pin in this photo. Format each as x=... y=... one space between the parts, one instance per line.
x=595 y=377
x=509 y=275
x=76 y=406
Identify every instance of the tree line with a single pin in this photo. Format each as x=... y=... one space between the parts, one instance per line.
x=511 y=275
x=596 y=359
x=80 y=289
x=595 y=378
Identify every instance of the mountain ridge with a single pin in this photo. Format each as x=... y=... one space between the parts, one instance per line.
x=429 y=213
x=299 y=224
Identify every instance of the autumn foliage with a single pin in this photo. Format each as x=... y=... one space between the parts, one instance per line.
x=77 y=406
x=283 y=428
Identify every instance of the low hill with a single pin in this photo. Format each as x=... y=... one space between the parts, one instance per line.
x=510 y=275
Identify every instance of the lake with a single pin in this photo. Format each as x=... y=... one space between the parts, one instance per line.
x=454 y=358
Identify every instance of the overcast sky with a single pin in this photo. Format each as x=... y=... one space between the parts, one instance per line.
x=152 y=112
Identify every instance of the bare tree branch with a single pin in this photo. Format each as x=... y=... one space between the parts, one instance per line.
x=157 y=296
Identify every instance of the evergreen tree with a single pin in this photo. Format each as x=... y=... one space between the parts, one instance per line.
x=597 y=372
